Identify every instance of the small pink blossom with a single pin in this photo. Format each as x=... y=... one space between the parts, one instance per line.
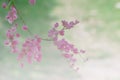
x=12 y=15
x=17 y=35
x=10 y=34
x=56 y=25
x=4 y=5
x=75 y=50
x=61 y=32
x=24 y=27
x=53 y=33
x=32 y=2
x=69 y=25
x=14 y=47
x=66 y=55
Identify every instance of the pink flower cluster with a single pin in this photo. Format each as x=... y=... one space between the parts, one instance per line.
x=54 y=32
x=68 y=50
x=69 y=25
x=12 y=40
x=12 y=15
x=65 y=46
x=62 y=44
x=31 y=49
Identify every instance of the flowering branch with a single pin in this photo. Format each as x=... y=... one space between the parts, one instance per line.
x=31 y=49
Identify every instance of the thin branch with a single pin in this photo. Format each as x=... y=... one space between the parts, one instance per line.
x=21 y=18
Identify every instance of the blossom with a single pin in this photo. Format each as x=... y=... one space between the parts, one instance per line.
x=31 y=50
x=66 y=55
x=17 y=35
x=69 y=25
x=56 y=25
x=12 y=15
x=12 y=40
x=14 y=47
x=4 y=5
x=24 y=27
x=63 y=44
x=32 y=2
x=61 y=32
x=68 y=50
x=53 y=33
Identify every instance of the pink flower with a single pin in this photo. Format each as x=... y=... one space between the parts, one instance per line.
x=17 y=35
x=75 y=50
x=66 y=55
x=65 y=23
x=10 y=34
x=68 y=49
x=53 y=33
x=31 y=50
x=4 y=5
x=12 y=15
x=12 y=40
x=69 y=25
x=24 y=27
x=62 y=44
x=61 y=32
x=32 y=2
x=56 y=25
x=14 y=46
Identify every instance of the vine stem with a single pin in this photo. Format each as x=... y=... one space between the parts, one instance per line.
x=21 y=18
x=24 y=23
x=47 y=39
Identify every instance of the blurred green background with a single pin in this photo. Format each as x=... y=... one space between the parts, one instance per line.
x=98 y=33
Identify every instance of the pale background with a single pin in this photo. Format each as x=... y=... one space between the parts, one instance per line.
x=98 y=33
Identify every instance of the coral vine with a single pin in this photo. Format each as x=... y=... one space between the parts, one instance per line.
x=30 y=48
